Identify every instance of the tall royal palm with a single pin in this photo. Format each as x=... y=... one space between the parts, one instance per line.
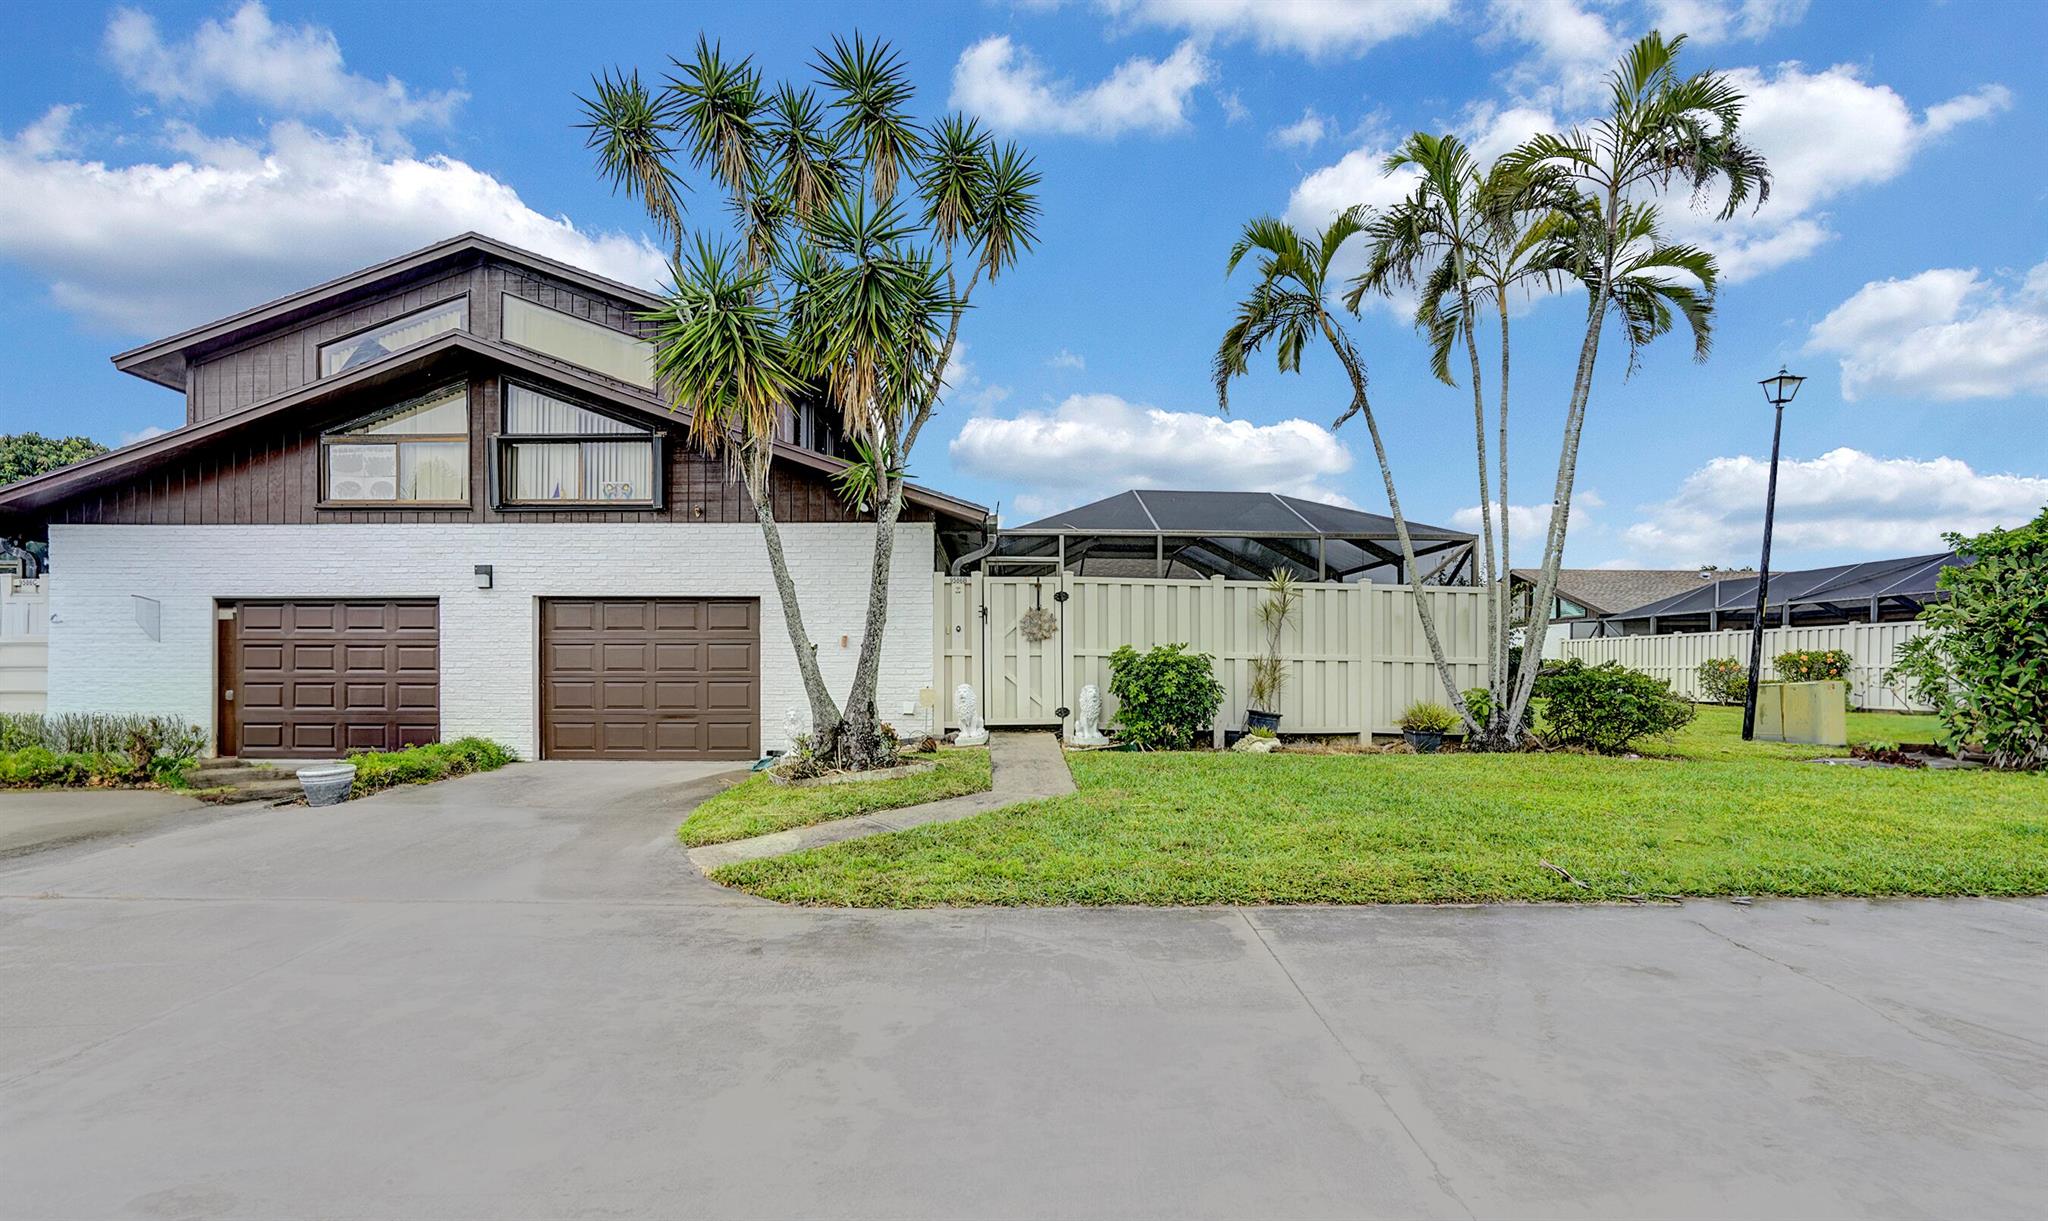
x=1660 y=129
x=1288 y=308
x=838 y=282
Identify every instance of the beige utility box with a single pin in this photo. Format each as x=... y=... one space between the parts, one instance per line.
x=1814 y=713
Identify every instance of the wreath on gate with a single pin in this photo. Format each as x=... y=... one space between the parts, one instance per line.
x=1037 y=625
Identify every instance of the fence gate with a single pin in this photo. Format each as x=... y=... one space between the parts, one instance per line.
x=1023 y=679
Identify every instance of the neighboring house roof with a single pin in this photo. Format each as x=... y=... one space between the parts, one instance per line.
x=165 y=360
x=1609 y=591
x=1225 y=515
x=51 y=486
x=1911 y=577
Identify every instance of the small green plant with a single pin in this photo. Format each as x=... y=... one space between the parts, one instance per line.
x=1814 y=665
x=1262 y=732
x=1982 y=663
x=1427 y=717
x=1723 y=680
x=98 y=748
x=1269 y=670
x=383 y=769
x=1479 y=702
x=1606 y=707
x=1165 y=696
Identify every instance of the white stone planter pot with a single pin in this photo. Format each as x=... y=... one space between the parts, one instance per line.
x=327 y=784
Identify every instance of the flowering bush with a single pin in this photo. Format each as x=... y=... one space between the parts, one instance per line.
x=1815 y=665
x=1723 y=679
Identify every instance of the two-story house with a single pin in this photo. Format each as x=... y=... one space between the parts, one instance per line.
x=444 y=496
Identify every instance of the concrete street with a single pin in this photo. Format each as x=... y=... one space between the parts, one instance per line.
x=510 y=996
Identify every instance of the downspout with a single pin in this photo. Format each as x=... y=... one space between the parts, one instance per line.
x=959 y=566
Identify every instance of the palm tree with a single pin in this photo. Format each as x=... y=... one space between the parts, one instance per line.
x=1288 y=307
x=1660 y=128
x=1432 y=240
x=836 y=285
x=1463 y=238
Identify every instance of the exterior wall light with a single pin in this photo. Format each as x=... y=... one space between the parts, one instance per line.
x=483 y=576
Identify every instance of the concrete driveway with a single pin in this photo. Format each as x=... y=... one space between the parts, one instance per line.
x=508 y=996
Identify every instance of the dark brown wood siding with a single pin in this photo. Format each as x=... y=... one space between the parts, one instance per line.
x=272 y=477
x=267 y=367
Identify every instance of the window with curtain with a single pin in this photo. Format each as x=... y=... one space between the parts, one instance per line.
x=556 y=452
x=417 y=453
x=628 y=358
x=394 y=336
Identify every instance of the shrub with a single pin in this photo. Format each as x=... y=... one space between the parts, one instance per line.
x=1427 y=717
x=382 y=769
x=1164 y=696
x=1814 y=665
x=1479 y=702
x=102 y=748
x=1983 y=662
x=1723 y=680
x=1606 y=707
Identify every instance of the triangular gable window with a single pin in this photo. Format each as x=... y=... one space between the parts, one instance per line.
x=557 y=453
x=417 y=453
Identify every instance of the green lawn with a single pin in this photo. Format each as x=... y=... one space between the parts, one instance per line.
x=1709 y=816
x=759 y=806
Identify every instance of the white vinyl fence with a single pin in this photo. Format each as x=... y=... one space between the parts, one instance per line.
x=1357 y=657
x=24 y=644
x=1676 y=658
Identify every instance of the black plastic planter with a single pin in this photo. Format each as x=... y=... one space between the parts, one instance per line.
x=1423 y=743
x=1255 y=720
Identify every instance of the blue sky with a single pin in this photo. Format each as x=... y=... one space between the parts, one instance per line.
x=165 y=164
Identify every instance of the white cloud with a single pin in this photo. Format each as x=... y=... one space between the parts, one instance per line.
x=1713 y=21
x=151 y=248
x=1010 y=89
x=1095 y=445
x=1316 y=28
x=1064 y=359
x=965 y=387
x=1305 y=132
x=139 y=435
x=1843 y=502
x=296 y=69
x=1529 y=525
x=1944 y=334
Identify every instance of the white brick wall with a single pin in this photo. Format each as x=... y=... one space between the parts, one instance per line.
x=101 y=660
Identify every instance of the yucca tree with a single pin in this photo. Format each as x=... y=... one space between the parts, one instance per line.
x=855 y=239
x=1288 y=308
x=1660 y=129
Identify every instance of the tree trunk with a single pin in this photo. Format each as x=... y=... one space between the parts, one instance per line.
x=1497 y=728
x=1494 y=623
x=858 y=744
x=1359 y=402
x=824 y=712
x=1560 y=509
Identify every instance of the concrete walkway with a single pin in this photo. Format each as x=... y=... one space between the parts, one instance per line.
x=1026 y=766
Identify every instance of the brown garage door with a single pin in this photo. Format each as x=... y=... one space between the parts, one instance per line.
x=310 y=679
x=651 y=678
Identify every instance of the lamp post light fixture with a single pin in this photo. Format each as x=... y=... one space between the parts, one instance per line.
x=1778 y=391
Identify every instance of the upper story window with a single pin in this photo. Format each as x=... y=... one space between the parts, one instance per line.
x=554 y=452
x=416 y=453
x=394 y=336
x=566 y=337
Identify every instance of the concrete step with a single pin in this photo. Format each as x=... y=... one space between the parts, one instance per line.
x=216 y=772
x=273 y=789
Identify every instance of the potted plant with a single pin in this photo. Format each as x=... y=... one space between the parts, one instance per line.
x=1269 y=670
x=1424 y=725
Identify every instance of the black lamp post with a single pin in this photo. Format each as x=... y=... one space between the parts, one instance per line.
x=1778 y=391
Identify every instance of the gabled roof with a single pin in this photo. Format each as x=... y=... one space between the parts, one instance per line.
x=164 y=361
x=1912 y=577
x=1225 y=515
x=1609 y=591
x=51 y=486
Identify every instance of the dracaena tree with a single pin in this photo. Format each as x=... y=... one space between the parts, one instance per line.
x=852 y=241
